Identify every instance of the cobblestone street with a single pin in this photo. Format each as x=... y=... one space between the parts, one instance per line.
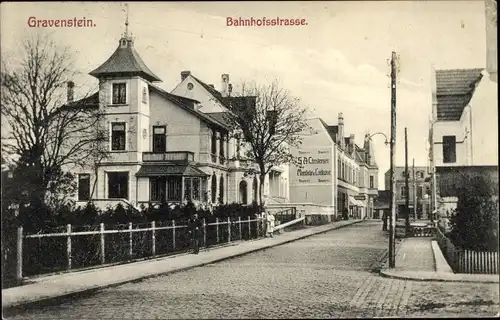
x=324 y=276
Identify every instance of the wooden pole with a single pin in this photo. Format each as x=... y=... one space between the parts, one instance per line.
x=204 y=232
x=407 y=186
x=19 y=266
x=153 y=238
x=217 y=229
x=249 y=228
x=130 y=242
x=103 y=247
x=228 y=229
x=392 y=226
x=68 y=243
x=415 y=198
x=173 y=235
x=239 y=225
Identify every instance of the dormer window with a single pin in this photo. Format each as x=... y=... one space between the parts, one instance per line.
x=119 y=93
x=124 y=43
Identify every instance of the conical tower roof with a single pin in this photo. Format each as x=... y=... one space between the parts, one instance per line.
x=125 y=61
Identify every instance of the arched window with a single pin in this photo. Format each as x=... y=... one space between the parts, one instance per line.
x=255 y=188
x=221 y=190
x=214 y=188
x=243 y=192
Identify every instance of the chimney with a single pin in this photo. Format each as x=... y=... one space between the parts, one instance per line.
x=224 y=84
x=367 y=148
x=184 y=74
x=341 y=131
x=70 y=92
x=351 y=143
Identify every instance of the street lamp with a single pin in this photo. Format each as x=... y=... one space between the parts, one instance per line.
x=381 y=133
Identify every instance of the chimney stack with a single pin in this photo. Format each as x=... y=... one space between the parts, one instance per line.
x=341 y=131
x=71 y=86
x=184 y=74
x=224 y=84
x=351 y=143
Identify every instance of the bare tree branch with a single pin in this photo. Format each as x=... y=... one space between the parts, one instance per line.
x=46 y=134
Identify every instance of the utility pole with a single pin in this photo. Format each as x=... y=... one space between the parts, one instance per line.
x=407 y=186
x=433 y=172
x=415 y=199
x=392 y=226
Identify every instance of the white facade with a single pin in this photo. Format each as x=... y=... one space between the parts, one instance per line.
x=476 y=132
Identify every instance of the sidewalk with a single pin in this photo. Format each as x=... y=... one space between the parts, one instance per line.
x=416 y=260
x=71 y=284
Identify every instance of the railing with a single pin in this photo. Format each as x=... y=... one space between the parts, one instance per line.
x=467 y=261
x=285 y=215
x=184 y=156
x=296 y=222
x=73 y=247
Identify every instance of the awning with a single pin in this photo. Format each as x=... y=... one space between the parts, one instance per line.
x=354 y=202
x=155 y=170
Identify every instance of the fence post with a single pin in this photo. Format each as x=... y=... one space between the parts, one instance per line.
x=103 y=254
x=228 y=229
x=217 y=225
x=249 y=229
x=239 y=225
x=257 y=222
x=68 y=243
x=204 y=232
x=173 y=235
x=153 y=239
x=130 y=239
x=19 y=266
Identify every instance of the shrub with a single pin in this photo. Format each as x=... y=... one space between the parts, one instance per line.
x=474 y=225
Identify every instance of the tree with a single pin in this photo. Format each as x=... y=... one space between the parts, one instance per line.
x=47 y=135
x=268 y=120
x=474 y=225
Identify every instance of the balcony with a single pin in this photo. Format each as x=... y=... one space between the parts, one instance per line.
x=173 y=156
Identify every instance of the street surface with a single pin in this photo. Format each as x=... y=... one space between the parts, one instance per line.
x=325 y=276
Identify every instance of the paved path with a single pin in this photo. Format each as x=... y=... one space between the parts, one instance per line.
x=324 y=276
x=415 y=254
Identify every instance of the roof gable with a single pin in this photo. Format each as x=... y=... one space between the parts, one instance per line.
x=216 y=94
x=125 y=61
x=454 y=89
x=188 y=105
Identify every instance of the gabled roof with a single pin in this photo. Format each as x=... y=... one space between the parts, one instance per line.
x=454 y=89
x=125 y=61
x=219 y=116
x=216 y=94
x=188 y=104
x=359 y=154
x=332 y=130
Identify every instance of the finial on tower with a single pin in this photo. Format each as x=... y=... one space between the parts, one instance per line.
x=126 y=21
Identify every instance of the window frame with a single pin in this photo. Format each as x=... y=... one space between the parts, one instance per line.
x=449 y=156
x=119 y=101
x=124 y=135
x=157 y=181
x=164 y=135
x=80 y=198
x=127 y=185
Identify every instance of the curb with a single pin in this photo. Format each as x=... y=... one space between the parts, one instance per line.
x=388 y=274
x=24 y=306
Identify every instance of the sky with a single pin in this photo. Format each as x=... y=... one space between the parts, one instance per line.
x=338 y=62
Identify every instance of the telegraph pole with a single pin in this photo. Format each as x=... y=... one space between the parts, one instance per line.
x=407 y=186
x=392 y=226
x=433 y=172
x=414 y=193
